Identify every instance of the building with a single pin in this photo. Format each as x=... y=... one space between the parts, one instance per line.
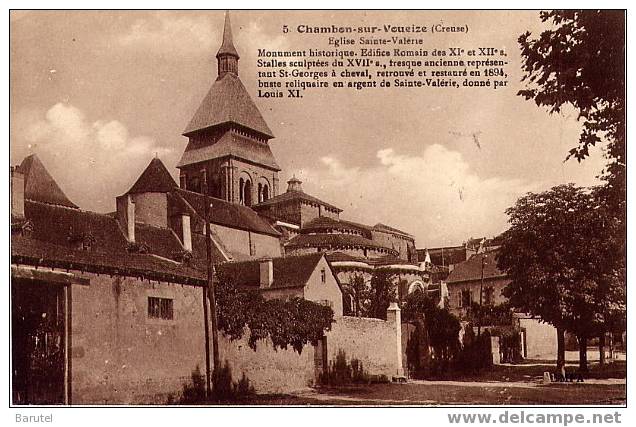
x=479 y=281
x=228 y=156
x=110 y=308
x=303 y=276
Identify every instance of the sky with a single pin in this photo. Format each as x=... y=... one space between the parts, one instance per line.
x=96 y=95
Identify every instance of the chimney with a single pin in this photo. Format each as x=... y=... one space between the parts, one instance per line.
x=17 y=193
x=126 y=215
x=266 y=269
x=294 y=184
x=186 y=232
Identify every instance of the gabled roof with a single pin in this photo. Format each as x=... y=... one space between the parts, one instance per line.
x=230 y=144
x=289 y=272
x=470 y=270
x=57 y=232
x=290 y=196
x=154 y=179
x=40 y=186
x=227 y=214
x=443 y=256
x=228 y=102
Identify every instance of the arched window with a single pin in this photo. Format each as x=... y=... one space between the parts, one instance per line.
x=260 y=192
x=247 y=196
x=265 y=192
x=416 y=286
x=241 y=191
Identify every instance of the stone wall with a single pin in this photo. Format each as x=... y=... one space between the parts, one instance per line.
x=374 y=342
x=269 y=370
x=119 y=355
x=247 y=244
x=540 y=338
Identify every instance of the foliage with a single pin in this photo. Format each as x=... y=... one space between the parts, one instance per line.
x=194 y=392
x=382 y=294
x=562 y=260
x=360 y=294
x=441 y=332
x=490 y=315
x=295 y=322
x=580 y=61
x=340 y=372
x=476 y=353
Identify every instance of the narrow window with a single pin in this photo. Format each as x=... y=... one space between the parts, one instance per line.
x=160 y=308
x=323 y=276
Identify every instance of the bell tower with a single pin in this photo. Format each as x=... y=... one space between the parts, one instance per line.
x=228 y=154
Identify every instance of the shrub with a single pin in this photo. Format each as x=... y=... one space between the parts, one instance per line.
x=340 y=372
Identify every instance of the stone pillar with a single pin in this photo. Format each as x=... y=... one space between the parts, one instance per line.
x=394 y=317
x=494 y=347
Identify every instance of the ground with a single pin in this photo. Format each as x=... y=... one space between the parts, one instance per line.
x=504 y=385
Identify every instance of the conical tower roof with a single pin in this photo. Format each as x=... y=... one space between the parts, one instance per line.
x=40 y=186
x=154 y=179
x=227 y=47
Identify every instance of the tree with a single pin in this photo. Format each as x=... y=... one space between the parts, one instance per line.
x=382 y=293
x=580 y=61
x=561 y=263
x=358 y=290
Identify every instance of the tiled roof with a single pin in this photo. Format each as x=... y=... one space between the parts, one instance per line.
x=34 y=252
x=228 y=214
x=154 y=179
x=295 y=195
x=383 y=227
x=57 y=233
x=323 y=223
x=230 y=144
x=381 y=261
x=39 y=185
x=334 y=241
x=228 y=102
x=289 y=272
x=470 y=270
x=443 y=256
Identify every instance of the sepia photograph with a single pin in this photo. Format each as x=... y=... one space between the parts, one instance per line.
x=318 y=208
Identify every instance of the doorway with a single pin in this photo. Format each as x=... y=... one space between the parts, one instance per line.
x=38 y=342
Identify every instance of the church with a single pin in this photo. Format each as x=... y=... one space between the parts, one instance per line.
x=228 y=157
x=110 y=308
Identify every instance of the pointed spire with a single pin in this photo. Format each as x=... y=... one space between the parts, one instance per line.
x=40 y=186
x=227 y=56
x=154 y=179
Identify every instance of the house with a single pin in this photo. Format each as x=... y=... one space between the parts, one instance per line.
x=102 y=311
x=301 y=276
x=479 y=281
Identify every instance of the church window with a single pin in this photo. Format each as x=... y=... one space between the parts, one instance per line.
x=247 y=196
x=260 y=192
x=265 y=192
x=323 y=276
x=241 y=191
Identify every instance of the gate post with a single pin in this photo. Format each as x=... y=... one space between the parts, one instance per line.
x=394 y=317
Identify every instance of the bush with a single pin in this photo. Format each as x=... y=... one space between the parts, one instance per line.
x=194 y=392
x=476 y=353
x=339 y=372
